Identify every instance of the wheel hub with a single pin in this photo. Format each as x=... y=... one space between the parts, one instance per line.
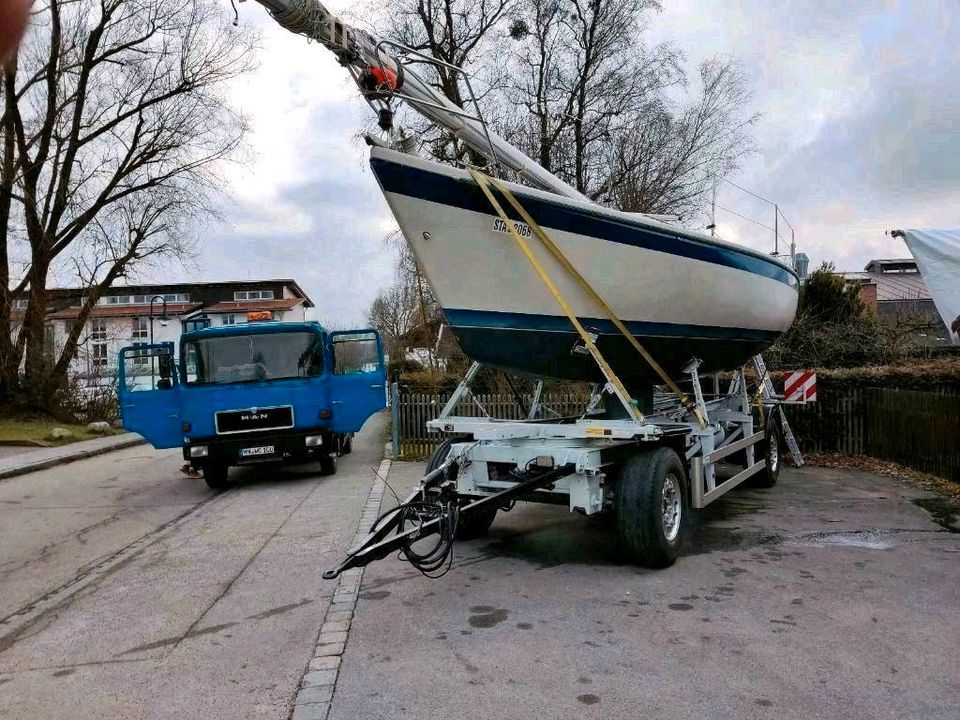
x=671 y=508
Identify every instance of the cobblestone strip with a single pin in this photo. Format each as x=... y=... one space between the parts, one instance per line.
x=316 y=687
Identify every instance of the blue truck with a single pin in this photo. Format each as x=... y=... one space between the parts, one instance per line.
x=254 y=393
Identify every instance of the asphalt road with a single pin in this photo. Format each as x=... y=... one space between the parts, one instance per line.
x=834 y=595
x=130 y=591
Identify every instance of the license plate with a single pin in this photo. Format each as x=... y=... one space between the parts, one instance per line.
x=254 y=451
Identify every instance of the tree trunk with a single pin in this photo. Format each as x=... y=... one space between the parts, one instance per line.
x=9 y=358
x=34 y=325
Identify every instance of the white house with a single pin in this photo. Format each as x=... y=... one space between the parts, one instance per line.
x=126 y=316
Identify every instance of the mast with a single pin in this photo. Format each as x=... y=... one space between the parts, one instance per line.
x=381 y=76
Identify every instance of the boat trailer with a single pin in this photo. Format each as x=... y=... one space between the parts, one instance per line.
x=648 y=462
x=648 y=471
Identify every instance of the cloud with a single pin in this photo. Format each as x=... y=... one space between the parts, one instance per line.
x=860 y=104
x=305 y=206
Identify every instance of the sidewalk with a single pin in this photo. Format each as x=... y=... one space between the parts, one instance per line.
x=43 y=458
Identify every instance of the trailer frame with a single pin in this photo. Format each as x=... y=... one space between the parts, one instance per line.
x=488 y=464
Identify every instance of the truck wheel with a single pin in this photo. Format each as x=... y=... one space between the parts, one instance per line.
x=346 y=447
x=651 y=507
x=770 y=449
x=328 y=464
x=216 y=476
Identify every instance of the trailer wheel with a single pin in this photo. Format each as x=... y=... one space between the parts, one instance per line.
x=216 y=476
x=476 y=526
x=651 y=507
x=328 y=464
x=438 y=455
x=467 y=528
x=771 y=446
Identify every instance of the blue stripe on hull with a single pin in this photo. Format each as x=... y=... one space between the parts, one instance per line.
x=540 y=345
x=439 y=188
x=558 y=323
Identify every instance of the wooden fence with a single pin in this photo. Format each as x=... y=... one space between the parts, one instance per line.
x=917 y=429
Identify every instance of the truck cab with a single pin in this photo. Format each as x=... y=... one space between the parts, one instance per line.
x=254 y=393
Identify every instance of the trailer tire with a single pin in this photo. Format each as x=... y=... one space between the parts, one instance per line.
x=651 y=507
x=216 y=476
x=771 y=449
x=438 y=455
x=328 y=465
x=476 y=526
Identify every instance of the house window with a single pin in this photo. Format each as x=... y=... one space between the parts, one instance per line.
x=253 y=295
x=21 y=303
x=144 y=299
x=99 y=355
x=197 y=323
x=140 y=359
x=229 y=319
x=98 y=338
x=98 y=330
x=141 y=328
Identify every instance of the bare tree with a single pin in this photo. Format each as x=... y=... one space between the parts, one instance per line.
x=574 y=84
x=114 y=125
x=582 y=73
x=406 y=309
x=669 y=157
x=606 y=112
x=456 y=32
x=394 y=314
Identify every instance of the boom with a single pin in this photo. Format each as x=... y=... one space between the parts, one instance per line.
x=381 y=76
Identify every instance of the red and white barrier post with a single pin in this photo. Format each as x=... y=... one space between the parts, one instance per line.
x=800 y=387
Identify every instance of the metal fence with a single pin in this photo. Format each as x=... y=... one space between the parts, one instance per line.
x=917 y=429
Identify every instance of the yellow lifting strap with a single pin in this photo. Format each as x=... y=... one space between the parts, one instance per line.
x=484 y=182
x=588 y=288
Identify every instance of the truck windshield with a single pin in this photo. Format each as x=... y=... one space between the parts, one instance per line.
x=248 y=358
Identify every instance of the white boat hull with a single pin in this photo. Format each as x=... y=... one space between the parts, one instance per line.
x=682 y=294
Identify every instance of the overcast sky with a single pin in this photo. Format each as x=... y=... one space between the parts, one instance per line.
x=860 y=134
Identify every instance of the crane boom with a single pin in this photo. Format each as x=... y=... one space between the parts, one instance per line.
x=380 y=74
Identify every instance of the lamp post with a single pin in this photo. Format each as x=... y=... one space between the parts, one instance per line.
x=163 y=320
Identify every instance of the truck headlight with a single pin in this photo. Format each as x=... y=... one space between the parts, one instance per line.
x=198 y=451
x=314 y=440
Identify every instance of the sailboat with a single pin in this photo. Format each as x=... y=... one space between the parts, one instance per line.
x=683 y=294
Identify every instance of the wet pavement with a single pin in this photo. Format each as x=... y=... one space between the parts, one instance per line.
x=833 y=595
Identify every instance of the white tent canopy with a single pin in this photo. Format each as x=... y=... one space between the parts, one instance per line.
x=937 y=253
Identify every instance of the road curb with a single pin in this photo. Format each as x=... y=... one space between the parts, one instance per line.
x=76 y=453
x=320 y=677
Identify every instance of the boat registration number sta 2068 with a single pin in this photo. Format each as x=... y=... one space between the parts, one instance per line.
x=522 y=228
x=255 y=451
